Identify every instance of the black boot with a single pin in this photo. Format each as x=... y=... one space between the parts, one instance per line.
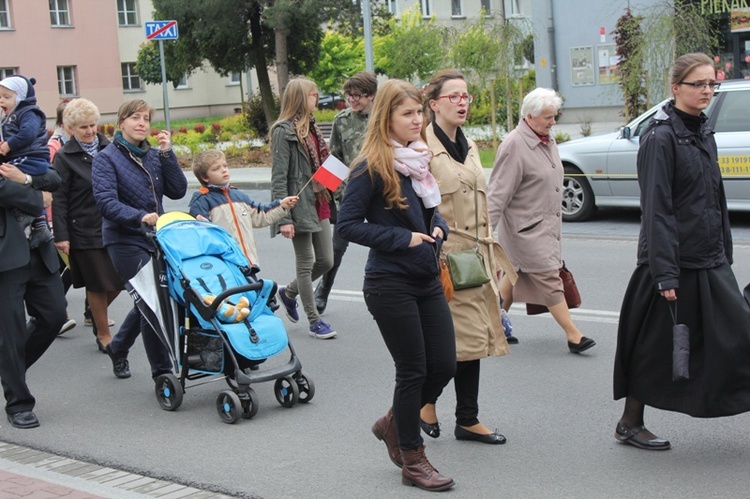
x=323 y=289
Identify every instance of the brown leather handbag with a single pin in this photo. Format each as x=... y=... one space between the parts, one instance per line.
x=572 y=296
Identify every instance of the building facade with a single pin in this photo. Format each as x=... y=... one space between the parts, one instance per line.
x=575 y=53
x=88 y=48
x=452 y=13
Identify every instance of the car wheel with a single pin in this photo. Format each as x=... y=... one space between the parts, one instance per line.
x=578 y=198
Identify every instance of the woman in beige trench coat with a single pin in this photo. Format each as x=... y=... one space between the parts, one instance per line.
x=525 y=200
x=476 y=311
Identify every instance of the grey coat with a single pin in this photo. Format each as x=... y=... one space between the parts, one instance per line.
x=525 y=200
x=290 y=171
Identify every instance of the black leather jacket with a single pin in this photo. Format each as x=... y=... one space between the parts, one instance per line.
x=684 y=221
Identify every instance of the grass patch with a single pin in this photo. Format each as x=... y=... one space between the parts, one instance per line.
x=487 y=157
x=188 y=123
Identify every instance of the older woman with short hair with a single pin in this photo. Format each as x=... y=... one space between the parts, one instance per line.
x=524 y=201
x=76 y=219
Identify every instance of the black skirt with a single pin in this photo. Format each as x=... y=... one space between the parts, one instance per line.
x=710 y=303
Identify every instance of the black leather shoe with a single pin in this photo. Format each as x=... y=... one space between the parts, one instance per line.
x=630 y=436
x=120 y=365
x=431 y=429
x=23 y=420
x=582 y=346
x=512 y=340
x=495 y=438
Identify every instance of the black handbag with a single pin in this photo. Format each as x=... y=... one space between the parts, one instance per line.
x=467 y=267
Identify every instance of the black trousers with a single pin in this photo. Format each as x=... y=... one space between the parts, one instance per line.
x=417 y=327
x=21 y=345
x=128 y=260
x=466 y=382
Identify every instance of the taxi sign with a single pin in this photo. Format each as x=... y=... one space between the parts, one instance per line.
x=161 y=30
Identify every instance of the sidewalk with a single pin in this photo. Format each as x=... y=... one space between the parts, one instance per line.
x=260 y=178
x=32 y=474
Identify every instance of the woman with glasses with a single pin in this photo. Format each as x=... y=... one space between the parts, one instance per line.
x=298 y=151
x=683 y=274
x=476 y=311
x=525 y=204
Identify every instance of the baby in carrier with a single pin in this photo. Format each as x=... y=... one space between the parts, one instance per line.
x=23 y=143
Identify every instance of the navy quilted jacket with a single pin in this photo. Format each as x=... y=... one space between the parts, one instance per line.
x=125 y=191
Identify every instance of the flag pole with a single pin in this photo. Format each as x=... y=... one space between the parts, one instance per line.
x=303 y=187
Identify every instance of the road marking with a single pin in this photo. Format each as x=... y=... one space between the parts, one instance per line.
x=581 y=314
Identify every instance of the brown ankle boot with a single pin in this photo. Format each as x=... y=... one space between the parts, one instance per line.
x=385 y=429
x=418 y=471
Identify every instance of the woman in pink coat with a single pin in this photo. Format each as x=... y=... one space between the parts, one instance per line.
x=525 y=200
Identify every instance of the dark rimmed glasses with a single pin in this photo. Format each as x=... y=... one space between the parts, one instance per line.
x=702 y=85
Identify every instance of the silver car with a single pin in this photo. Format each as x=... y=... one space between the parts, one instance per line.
x=600 y=171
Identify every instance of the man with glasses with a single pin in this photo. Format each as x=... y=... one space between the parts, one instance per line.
x=346 y=140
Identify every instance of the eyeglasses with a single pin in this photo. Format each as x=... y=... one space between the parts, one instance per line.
x=702 y=85
x=355 y=96
x=456 y=98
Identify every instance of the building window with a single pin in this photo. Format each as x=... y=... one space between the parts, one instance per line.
x=487 y=7
x=4 y=15
x=183 y=83
x=66 y=80
x=392 y=6
x=426 y=6
x=6 y=72
x=234 y=78
x=457 y=8
x=130 y=79
x=127 y=12
x=59 y=13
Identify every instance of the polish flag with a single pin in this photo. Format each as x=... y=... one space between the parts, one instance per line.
x=331 y=173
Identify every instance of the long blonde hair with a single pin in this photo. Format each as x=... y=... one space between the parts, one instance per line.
x=377 y=149
x=294 y=104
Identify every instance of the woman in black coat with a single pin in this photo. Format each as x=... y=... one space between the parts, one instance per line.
x=683 y=273
x=76 y=218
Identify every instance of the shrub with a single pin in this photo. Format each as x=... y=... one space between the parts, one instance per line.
x=183 y=129
x=561 y=137
x=324 y=115
x=199 y=127
x=110 y=129
x=216 y=128
x=208 y=136
x=225 y=136
x=234 y=151
x=100 y=129
x=254 y=116
x=154 y=132
x=191 y=140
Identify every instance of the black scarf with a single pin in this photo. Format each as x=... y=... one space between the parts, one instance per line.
x=459 y=149
x=691 y=121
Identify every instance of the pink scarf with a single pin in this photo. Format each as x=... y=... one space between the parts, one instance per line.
x=413 y=161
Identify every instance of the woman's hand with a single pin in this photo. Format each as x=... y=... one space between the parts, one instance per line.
x=12 y=173
x=63 y=247
x=438 y=233
x=289 y=202
x=669 y=294
x=150 y=219
x=201 y=218
x=164 y=140
x=4 y=148
x=47 y=199
x=418 y=238
x=287 y=230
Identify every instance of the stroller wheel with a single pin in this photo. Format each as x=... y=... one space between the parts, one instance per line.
x=228 y=406
x=249 y=404
x=306 y=387
x=169 y=392
x=286 y=391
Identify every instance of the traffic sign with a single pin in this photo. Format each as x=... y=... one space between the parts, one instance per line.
x=161 y=30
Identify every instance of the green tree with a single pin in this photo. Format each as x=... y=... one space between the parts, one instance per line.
x=631 y=51
x=340 y=57
x=413 y=50
x=672 y=29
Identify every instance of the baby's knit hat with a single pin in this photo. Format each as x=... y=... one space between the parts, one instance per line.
x=17 y=85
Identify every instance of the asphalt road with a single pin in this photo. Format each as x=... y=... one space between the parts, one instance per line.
x=555 y=408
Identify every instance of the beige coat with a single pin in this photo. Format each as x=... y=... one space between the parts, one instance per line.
x=476 y=311
x=525 y=200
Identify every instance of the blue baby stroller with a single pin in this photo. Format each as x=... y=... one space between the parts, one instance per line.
x=203 y=261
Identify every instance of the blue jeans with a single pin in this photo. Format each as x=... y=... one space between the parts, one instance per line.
x=128 y=260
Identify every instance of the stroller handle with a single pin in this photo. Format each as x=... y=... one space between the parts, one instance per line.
x=256 y=286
